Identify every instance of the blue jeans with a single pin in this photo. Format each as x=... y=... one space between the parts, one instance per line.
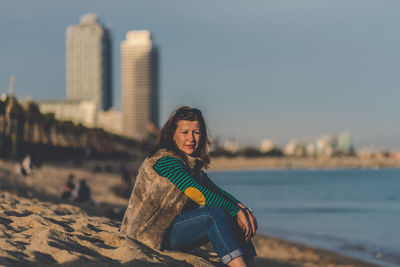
x=197 y=227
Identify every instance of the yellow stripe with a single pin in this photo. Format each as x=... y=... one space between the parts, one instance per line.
x=195 y=195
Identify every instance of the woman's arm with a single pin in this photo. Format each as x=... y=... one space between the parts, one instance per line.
x=174 y=170
x=246 y=221
x=221 y=191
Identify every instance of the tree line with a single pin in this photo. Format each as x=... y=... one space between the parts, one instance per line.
x=24 y=129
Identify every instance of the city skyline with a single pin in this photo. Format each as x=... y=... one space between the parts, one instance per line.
x=271 y=69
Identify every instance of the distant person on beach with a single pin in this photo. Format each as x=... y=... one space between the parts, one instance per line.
x=24 y=167
x=37 y=160
x=79 y=192
x=27 y=164
x=174 y=204
x=68 y=187
x=83 y=192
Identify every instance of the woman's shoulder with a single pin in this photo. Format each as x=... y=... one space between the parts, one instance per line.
x=162 y=154
x=192 y=163
x=160 y=159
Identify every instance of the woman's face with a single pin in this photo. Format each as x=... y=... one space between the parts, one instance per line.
x=187 y=136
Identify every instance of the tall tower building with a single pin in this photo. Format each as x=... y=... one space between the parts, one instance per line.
x=88 y=60
x=139 y=81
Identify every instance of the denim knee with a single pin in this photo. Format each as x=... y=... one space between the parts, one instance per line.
x=210 y=223
x=216 y=213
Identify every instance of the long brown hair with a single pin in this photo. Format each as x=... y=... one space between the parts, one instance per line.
x=167 y=142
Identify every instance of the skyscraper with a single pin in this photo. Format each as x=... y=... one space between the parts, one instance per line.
x=139 y=81
x=88 y=60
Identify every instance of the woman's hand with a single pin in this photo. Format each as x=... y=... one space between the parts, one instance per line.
x=250 y=219
x=244 y=224
x=253 y=221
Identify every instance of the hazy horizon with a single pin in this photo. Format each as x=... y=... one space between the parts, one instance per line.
x=263 y=69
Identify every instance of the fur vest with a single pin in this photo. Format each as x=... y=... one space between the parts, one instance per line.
x=154 y=203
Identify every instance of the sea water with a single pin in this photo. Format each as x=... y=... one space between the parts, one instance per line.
x=352 y=212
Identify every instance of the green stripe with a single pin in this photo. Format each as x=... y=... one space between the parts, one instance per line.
x=207 y=194
x=166 y=168
x=186 y=183
x=224 y=204
x=191 y=184
x=218 y=201
x=172 y=162
x=182 y=179
x=168 y=159
x=234 y=212
x=213 y=197
x=162 y=170
x=178 y=183
x=177 y=177
x=171 y=173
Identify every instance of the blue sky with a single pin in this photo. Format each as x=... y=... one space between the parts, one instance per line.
x=258 y=69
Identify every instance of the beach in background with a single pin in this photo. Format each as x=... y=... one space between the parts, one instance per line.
x=40 y=228
x=241 y=163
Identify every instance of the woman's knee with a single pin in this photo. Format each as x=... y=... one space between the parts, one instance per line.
x=216 y=214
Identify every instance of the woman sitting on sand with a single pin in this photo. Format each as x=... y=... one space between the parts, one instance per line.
x=174 y=205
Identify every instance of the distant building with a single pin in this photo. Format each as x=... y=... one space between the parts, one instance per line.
x=325 y=146
x=344 y=144
x=231 y=146
x=311 y=149
x=83 y=112
x=74 y=110
x=88 y=62
x=366 y=153
x=294 y=148
x=139 y=82
x=267 y=146
x=110 y=120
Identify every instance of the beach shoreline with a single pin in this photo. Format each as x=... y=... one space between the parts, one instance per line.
x=34 y=214
x=279 y=163
x=273 y=250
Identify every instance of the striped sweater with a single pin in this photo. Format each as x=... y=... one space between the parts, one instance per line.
x=204 y=193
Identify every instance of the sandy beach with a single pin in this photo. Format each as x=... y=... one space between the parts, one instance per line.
x=240 y=163
x=38 y=228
